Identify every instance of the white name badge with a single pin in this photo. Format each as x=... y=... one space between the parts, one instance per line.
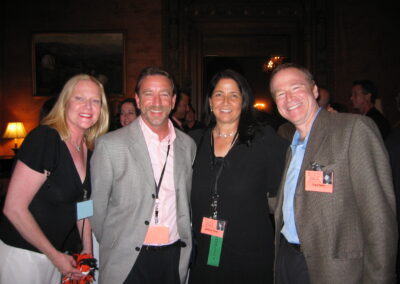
x=84 y=209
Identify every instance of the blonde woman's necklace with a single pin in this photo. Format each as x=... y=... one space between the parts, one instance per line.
x=77 y=147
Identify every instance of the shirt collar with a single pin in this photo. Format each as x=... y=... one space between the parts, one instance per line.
x=148 y=133
x=177 y=121
x=296 y=137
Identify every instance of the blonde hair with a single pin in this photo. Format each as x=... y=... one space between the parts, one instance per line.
x=57 y=116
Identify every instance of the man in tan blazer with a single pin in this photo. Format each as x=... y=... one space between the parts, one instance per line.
x=141 y=179
x=335 y=212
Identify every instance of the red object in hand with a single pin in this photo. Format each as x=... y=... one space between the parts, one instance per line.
x=87 y=265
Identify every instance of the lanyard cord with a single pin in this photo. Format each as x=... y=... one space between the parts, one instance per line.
x=214 y=194
x=83 y=222
x=156 y=211
x=162 y=173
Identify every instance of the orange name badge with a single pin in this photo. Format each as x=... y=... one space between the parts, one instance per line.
x=319 y=181
x=213 y=227
x=157 y=235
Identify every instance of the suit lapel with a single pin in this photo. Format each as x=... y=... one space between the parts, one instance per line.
x=179 y=158
x=138 y=150
x=278 y=209
x=316 y=143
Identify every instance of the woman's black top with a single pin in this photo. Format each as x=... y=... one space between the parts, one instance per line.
x=248 y=174
x=54 y=205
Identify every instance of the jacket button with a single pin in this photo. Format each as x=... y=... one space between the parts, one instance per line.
x=153 y=196
x=146 y=222
x=137 y=248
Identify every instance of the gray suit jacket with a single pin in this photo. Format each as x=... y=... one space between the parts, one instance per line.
x=122 y=191
x=350 y=235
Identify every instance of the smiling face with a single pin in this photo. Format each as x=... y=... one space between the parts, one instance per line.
x=156 y=100
x=295 y=97
x=226 y=102
x=128 y=113
x=83 y=107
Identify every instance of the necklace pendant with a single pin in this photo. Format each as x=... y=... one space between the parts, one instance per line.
x=77 y=147
x=226 y=135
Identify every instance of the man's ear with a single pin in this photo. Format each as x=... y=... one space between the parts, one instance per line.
x=137 y=100
x=315 y=92
x=173 y=101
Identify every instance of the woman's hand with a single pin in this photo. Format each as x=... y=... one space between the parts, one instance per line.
x=66 y=264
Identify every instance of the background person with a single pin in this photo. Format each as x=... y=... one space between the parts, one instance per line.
x=191 y=122
x=51 y=175
x=128 y=111
x=237 y=164
x=179 y=112
x=363 y=96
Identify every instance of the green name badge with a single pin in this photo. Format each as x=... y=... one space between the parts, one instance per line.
x=214 y=253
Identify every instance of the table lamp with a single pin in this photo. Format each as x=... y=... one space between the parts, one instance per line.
x=15 y=130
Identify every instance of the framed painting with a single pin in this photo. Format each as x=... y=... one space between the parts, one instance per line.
x=59 y=56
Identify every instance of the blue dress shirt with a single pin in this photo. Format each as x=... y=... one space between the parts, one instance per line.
x=289 y=223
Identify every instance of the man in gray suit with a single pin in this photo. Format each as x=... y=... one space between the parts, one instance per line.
x=141 y=179
x=335 y=210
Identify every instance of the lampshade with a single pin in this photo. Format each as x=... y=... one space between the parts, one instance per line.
x=15 y=130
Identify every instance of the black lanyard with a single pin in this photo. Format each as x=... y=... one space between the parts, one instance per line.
x=214 y=193
x=156 y=211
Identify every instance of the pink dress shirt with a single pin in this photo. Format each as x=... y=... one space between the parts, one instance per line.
x=167 y=197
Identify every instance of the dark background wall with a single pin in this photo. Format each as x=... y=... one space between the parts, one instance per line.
x=140 y=20
x=339 y=41
x=366 y=46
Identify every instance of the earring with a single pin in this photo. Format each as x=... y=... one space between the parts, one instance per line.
x=211 y=108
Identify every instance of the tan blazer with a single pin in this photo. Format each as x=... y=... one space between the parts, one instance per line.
x=122 y=189
x=349 y=236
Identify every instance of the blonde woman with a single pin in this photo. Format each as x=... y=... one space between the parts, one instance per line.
x=40 y=221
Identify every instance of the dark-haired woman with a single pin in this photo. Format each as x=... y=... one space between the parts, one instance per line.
x=237 y=165
x=128 y=111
